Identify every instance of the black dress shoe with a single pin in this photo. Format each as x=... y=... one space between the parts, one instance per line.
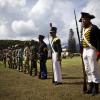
x=43 y=78
x=58 y=83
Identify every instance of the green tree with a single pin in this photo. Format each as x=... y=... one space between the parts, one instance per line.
x=71 y=42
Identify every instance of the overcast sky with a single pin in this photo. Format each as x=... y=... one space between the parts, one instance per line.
x=26 y=19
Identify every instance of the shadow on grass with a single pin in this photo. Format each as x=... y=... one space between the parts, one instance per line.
x=50 y=74
x=65 y=77
x=68 y=77
x=68 y=80
x=73 y=83
x=74 y=80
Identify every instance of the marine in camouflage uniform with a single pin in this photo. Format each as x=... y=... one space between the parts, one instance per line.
x=33 y=51
x=20 y=58
x=14 y=66
x=9 y=57
x=26 y=57
x=4 y=57
x=43 y=54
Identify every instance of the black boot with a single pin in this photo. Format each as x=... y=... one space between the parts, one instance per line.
x=31 y=73
x=89 y=91
x=39 y=76
x=95 y=89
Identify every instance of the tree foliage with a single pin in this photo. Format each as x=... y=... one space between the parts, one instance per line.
x=71 y=42
x=9 y=43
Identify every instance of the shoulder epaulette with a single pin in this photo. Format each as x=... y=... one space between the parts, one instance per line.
x=55 y=39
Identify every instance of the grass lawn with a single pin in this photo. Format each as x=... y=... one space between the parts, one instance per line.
x=16 y=85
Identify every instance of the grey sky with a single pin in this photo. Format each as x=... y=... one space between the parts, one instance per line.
x=26 y=19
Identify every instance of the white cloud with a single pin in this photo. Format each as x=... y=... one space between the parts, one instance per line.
x=62 y=14
x=11 y=10
x=57 y=12
x=93 y=7
x=27 y=19
x=25 y=28
x=12 y=3
x=4 y=31
x=40 y=9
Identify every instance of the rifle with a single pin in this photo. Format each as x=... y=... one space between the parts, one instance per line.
x=51 y=55
x=83 y=67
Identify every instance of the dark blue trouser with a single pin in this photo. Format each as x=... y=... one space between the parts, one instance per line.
x=43 y=69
